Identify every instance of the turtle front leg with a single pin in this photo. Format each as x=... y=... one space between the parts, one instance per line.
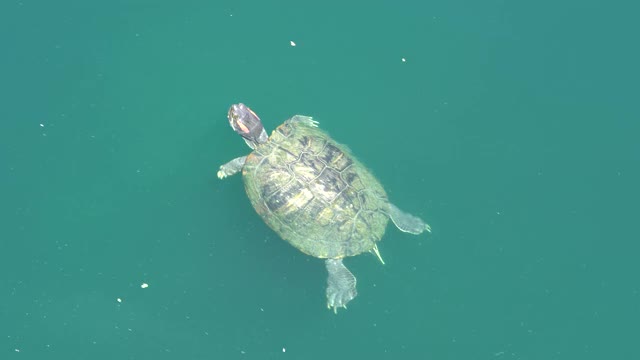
x=231 y=167
x=303 y=119
x=341 y=285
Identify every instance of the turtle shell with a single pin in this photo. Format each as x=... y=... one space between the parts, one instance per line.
x=314 y=193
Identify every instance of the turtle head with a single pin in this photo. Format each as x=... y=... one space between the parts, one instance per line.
x=246 y=123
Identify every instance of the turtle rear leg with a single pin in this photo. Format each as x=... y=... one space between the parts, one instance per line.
x=407 y=222
x=341 y=285
x=231 y=167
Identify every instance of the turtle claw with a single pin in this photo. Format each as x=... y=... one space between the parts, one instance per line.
x=303 y=119
x=231 y=167
x=331 y=304
x=341 y=285
x=224 y=172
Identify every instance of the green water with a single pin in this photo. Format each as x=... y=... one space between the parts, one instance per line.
x=512 y=128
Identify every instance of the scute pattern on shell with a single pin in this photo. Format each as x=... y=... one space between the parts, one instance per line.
x=314 y=194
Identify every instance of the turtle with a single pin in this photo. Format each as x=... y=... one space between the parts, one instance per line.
x=315 y=195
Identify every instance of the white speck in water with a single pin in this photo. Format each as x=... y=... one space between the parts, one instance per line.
x=292 y=43
x=144 y=285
